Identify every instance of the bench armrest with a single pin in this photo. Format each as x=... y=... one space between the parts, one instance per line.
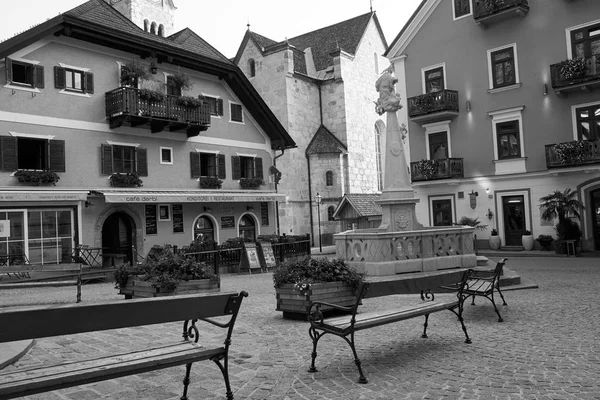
x=315 y=315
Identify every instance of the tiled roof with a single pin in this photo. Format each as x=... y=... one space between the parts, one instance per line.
x=364 y=204
x=100 y=13
x=324 y=142
x=345 y=35
x=261 y=41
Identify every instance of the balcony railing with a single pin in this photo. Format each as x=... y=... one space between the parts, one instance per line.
x=589 y=79
x=486 y=12
x=433 y=106
x=572 y=154
x=444 y=169
x=124 y=105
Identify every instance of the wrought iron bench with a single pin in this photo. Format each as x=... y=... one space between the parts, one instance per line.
x=483 y=283
x=26 y=283
x=57 y=320
x=347 y=325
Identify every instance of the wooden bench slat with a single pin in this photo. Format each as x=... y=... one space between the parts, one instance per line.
x=27 y=285
x=74 y=373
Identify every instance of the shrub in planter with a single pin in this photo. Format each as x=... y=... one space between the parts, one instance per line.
x=210 y=183
x=251 y=183
x=545 y=241
x=494 y=240
x=573 y=68
x=571 y=152
x=151 y=95
x=125 y=180
x=37 y=177
x=132 y=73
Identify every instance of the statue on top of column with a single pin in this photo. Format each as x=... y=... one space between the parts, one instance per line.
x=389 y=100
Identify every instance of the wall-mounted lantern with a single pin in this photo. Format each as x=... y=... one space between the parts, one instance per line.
x=473 y=199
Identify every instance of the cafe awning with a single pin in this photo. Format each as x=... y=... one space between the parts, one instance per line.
x=186 y=196
x=43 y=195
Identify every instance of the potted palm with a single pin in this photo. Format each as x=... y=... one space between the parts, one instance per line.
x=297 y=283
x=562 y=206
x=527 y=240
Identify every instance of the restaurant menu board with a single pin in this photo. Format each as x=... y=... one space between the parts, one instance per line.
x=177 y=218
x=268 y=258
x=151 y=228
x=227 y=222
x=252 y=260
x=264 y=213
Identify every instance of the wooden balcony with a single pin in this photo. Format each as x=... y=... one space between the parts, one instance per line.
x=585 y=83
x=124 y=106
x=488 y=12
x=576 y=153
x=446 y=168
x=433 y=107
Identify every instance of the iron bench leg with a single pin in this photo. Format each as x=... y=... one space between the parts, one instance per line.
x=424 y=335
x=222 y=362
x=462 y=322
x=500 y=319
x=315 y=336
x=186 y=381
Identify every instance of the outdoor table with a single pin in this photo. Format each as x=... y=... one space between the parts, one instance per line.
x=88 y=255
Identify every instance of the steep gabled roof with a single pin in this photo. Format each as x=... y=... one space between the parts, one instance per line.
x=261 y=41
x=324 y=142
x=97 y=22
x=414 y=20
x=364 y=204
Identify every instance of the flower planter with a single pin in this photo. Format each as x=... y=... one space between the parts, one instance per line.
x=527 y=241
x=546 y=244
x=141 y=289
x=295 y=305
x=494 y=242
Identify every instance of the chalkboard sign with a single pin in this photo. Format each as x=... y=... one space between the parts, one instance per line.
x=251 y=260
x=268 y=258
x=228 y=222
x=177 y=218
x=264 y=213
x=151 y=228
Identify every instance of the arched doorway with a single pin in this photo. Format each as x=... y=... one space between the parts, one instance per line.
x=204 y=229
x=117 y=235
x=595 y=210
x=247 y=227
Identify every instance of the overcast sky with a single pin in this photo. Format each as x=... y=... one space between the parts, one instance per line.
x=222 y=23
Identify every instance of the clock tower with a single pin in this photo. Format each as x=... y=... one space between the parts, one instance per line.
x=154 y=16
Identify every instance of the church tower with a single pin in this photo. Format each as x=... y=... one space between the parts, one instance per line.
x=155 y=16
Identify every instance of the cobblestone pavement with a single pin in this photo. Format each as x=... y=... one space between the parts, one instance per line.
x=547 y=348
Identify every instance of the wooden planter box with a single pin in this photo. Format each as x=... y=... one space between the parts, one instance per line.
x=295 y=305
x=141 y=289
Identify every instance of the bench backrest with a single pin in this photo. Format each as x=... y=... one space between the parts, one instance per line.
x=412 y=283
x=20 y=323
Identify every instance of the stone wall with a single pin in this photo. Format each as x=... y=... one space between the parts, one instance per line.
x=139 y=10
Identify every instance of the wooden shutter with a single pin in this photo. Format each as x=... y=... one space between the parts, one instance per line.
x=88 y=80
x=57 y=155
x=9 y=153
x=236 y=169
x=59 y=78
x=38 y=76
x=258 y=167
x=107 y=159
x=221 y=166
x=8 y=70
x=195 y=164
x=220 y=107
x=142 y=161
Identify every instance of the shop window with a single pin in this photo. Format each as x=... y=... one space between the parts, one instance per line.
x=247 y=228
x=247 y=167
x=236 y=112
x=23 y=73
x=330 y=212
x=329 y=178
x=207 y=165
x=73 y=80
x=32 y=153
x=124 y=159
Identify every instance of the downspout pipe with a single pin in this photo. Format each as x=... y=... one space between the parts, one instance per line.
x=277 y=202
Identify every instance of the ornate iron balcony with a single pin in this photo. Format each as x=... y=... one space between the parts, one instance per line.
x=570 y=79
x=442 y=169
x=433 y=106
x=572 y=154
x=125 y=105
x=486 y=12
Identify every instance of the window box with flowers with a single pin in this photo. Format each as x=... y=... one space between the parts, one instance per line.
x=210 y=183
x=36 y=177
x=572 y=69
x=427 y=169
x=130 y=179
x=251 y=183
x=571 y=153
x=189 y=101
x=151 y=95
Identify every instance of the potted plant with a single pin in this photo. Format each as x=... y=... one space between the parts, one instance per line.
x=182 y=81
x=571 y=153
x=571 y=69
x=427 y=168
x=125 y=180
x=189 y=101
x=562 y=205
x=166 y=273
x=545 y=241
x=151 y=95
x=494 y=240
x=210 y=182
x=36 y=177
x=297 y=283
x=132 y=74
x=527 y=240
x=251 y=183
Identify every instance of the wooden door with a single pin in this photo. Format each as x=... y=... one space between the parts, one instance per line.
x=514 y=219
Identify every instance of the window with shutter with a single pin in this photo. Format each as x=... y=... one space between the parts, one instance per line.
x=208 y=165
x=221 y=163
x=124 y=160
x=57 y=155
x=236 y=112
x=195 y=164
x=216 y=105
x=236 y=167
x=32 y=154
x=73 y=80
x=21 y=73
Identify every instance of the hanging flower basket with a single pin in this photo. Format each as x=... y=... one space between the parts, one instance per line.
x=132 y=72
x=36 y=177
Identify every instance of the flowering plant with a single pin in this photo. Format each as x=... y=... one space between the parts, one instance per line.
x=36 y=177
x=427 y=168
x=302 y=287
x=306 y=271
x=424 y=101
x=152 y=95
x=189 y=101
x=125 y=180
x=571 y=152
x=572 y=69
x=251 y=183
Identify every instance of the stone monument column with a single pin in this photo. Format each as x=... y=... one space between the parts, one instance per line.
x=398 y=198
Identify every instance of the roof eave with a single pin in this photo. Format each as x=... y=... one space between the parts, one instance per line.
x=50 y=27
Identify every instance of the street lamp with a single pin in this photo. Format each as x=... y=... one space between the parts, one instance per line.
x=318 y=201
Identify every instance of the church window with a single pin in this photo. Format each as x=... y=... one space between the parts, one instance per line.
x=329 y=178
x=161 y=30
x=251 y=67
x=153 y=28
x=378 y=155
x=330 y=211
x=146 y=25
